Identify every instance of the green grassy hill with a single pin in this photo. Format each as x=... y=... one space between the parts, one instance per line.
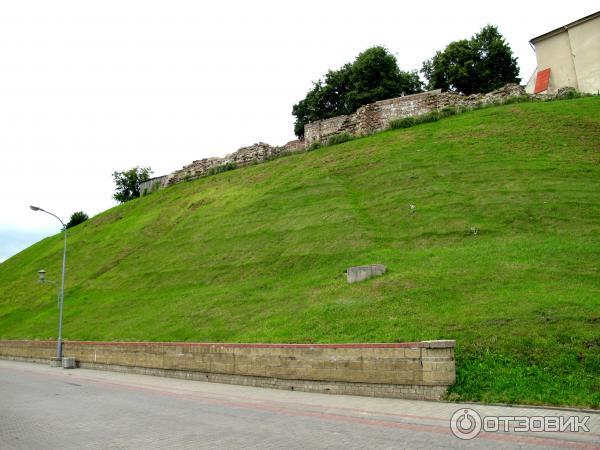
x=501 y=252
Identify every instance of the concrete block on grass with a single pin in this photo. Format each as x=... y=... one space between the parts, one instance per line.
x=361 y=273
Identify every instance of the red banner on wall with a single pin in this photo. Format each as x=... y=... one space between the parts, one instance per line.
x=542 y=80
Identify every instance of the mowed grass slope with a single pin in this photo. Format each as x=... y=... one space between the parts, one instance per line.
x=500 y=252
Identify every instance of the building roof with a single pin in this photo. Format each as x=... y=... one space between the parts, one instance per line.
x=564 y=28
x=154 y=178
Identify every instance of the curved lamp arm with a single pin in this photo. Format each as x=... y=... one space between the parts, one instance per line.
x=37 y=208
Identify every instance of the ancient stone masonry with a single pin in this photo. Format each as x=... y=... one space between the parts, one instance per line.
x=244 y=156
x=293 y=146
x=377 y=116
x=365 y=120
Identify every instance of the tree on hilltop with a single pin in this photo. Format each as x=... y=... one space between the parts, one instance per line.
x=128 y=183
x=374 y=75
x=480 y=64
x=77 y=218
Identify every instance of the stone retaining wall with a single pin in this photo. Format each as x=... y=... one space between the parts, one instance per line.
x=417 y=370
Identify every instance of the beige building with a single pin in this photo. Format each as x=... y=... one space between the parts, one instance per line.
x=572 y=53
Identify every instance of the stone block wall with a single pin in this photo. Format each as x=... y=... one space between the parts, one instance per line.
x=294 y=146
x=148 y=186
x=418 y=370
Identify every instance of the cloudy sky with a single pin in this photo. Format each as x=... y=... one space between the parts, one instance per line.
x=87 y=88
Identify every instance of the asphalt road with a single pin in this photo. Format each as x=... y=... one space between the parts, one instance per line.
x=46 y=408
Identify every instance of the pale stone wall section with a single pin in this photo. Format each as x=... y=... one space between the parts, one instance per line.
x=585 y=44
x=406 y=370
x=153 y=183
x=556 y=54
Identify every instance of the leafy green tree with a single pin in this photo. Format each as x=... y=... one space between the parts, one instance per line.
x=77 y=218
x=480 y=64
x=128 y=183
x=374 y=75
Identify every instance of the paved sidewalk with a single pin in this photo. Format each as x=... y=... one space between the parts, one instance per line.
x=46 y=408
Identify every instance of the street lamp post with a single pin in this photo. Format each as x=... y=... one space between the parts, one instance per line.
x=62 y=284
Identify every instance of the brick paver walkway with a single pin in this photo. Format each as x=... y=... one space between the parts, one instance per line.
x=46 y=408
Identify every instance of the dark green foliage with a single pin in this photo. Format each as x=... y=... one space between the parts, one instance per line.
x=335 y=139
x=480 y=64
x=404 y=122
x=432 y=116
x=222 y=168
x=407 y=122
x=339 y=138
x=448 y=111
x=281 y=154
x=568 y=94
x=519 y=99
x=128 y=183
x=77 y=218
x=374 y=75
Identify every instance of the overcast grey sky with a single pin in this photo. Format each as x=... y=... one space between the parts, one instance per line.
x=87 y=88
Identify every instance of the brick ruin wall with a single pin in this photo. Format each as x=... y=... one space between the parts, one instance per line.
x=417 y=370
x=242 y=157
x=377 y=116
x=366 y=120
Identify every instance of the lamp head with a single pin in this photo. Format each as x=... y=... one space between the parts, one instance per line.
x=42 y=275
x=35 y=208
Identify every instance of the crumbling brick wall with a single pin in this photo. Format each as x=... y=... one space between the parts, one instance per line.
x=377 y=116
x=366 y=120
